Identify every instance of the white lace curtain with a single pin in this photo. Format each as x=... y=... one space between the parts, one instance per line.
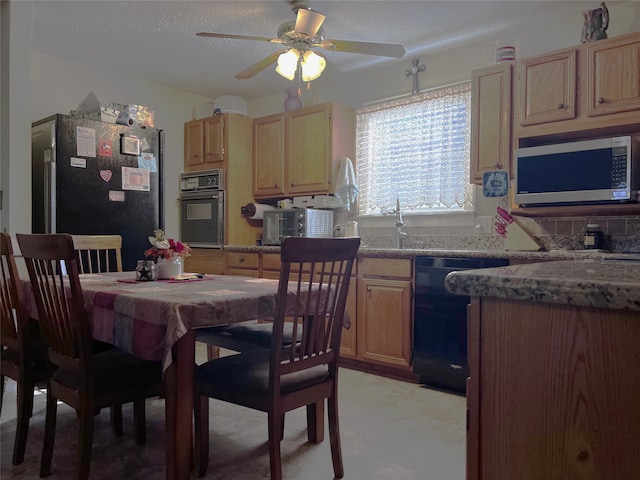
x=416 y=149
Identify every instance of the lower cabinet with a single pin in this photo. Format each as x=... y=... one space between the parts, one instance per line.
x=270 y=265
x=348 y=342
x=206 y=260
x=243 y=264
x=379 y=305
x=384 y=288
x=553 y=392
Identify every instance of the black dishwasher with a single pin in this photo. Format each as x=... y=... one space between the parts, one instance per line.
x=440 y=322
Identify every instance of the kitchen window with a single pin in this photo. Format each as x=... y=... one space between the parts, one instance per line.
x=416 y=149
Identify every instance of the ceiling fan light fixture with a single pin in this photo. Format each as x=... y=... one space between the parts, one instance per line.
x=288 y=63
x=312 y=65
x=308 y=22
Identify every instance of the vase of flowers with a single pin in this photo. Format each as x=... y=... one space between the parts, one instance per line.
x=168 y=253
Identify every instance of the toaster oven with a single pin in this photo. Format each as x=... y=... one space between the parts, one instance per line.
x=296 y=222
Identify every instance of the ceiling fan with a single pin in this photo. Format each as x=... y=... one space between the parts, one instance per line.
x=299 y=37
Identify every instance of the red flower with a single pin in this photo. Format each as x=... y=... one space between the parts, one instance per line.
x=166 y=247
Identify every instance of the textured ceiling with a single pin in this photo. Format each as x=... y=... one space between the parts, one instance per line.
x=155 y=41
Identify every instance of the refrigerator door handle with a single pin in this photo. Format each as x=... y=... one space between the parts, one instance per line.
x=50 y=191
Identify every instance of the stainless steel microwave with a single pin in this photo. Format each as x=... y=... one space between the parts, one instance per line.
x=296 y=222
x=605 y=170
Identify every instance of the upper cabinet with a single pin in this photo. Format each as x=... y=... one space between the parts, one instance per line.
x=204 y=143
x=224 y=141
x=614 y=76
x=268 y=156
x=299 y=152
x=571 y=92
x=547 y=87
x=490 y=120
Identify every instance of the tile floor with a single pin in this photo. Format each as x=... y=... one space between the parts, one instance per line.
x=389 y=430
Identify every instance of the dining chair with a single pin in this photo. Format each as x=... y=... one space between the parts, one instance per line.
x=83 y=379
x=23 y=354
x=99 y=253
x=242 y=337
x=312 y=294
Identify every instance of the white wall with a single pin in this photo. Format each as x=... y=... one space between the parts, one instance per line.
x=39 y=85
x=57 y=86
x=559 y=30
x=15 y=121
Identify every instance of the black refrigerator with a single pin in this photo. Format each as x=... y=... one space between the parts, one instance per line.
x=96 y=178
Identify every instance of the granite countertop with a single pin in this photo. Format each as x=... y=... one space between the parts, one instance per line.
x=590 y=278
x=414 y=252
x=601 y=283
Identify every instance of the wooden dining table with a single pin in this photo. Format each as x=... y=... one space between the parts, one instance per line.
x=154 y=320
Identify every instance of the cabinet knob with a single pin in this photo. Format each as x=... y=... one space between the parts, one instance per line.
x=293 y=184
x=560 y=106
x=600 y=100
x=368 y=289
x=275 y=185
x=241 y=260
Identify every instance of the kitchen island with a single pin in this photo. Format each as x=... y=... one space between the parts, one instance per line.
x=554 y=356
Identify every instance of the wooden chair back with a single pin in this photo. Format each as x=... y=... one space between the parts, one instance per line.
x=312 y=295
x=321 y=266
x=13 y=320
x=61 y=309
x=98 y=253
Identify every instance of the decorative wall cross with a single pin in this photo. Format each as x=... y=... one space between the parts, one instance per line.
x=415 y=70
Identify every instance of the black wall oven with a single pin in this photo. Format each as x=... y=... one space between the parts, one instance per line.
x=202 y=209
x=440 y=322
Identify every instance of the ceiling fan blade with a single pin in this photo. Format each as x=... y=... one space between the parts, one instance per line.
x=367 y=48
x=259 y=66
x=238 y=37
x=308 y=22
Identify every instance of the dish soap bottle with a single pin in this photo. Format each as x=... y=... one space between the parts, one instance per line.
x=593 y=237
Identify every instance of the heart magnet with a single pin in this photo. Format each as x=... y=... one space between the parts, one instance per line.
x=106 y=175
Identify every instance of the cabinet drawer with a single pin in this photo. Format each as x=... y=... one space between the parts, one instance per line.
x=386 y=267
x=242 y=260
x=243 y=272
x=271 y=261
x=207 y=261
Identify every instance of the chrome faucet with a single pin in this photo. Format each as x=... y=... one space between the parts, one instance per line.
x=401 y=234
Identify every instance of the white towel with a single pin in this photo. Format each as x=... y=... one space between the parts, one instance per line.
x=346 y=184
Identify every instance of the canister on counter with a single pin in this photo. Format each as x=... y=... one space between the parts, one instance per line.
x=593 y=237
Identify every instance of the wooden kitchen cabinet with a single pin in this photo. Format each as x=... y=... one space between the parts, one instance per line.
x=384 y=311
x=574 y=93
x=203 y=143
x=547 y=87
x=613 y=76
x=270 y=265
x=224 y=141
x=206 y=260
x=491 y=115
x=268 y=156
x=244 y=264
x=299 y=152
x=553 y=392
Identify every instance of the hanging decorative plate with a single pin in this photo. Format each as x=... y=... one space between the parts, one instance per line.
x=495 y=183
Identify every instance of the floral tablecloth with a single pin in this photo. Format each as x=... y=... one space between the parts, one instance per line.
x=147 y=318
